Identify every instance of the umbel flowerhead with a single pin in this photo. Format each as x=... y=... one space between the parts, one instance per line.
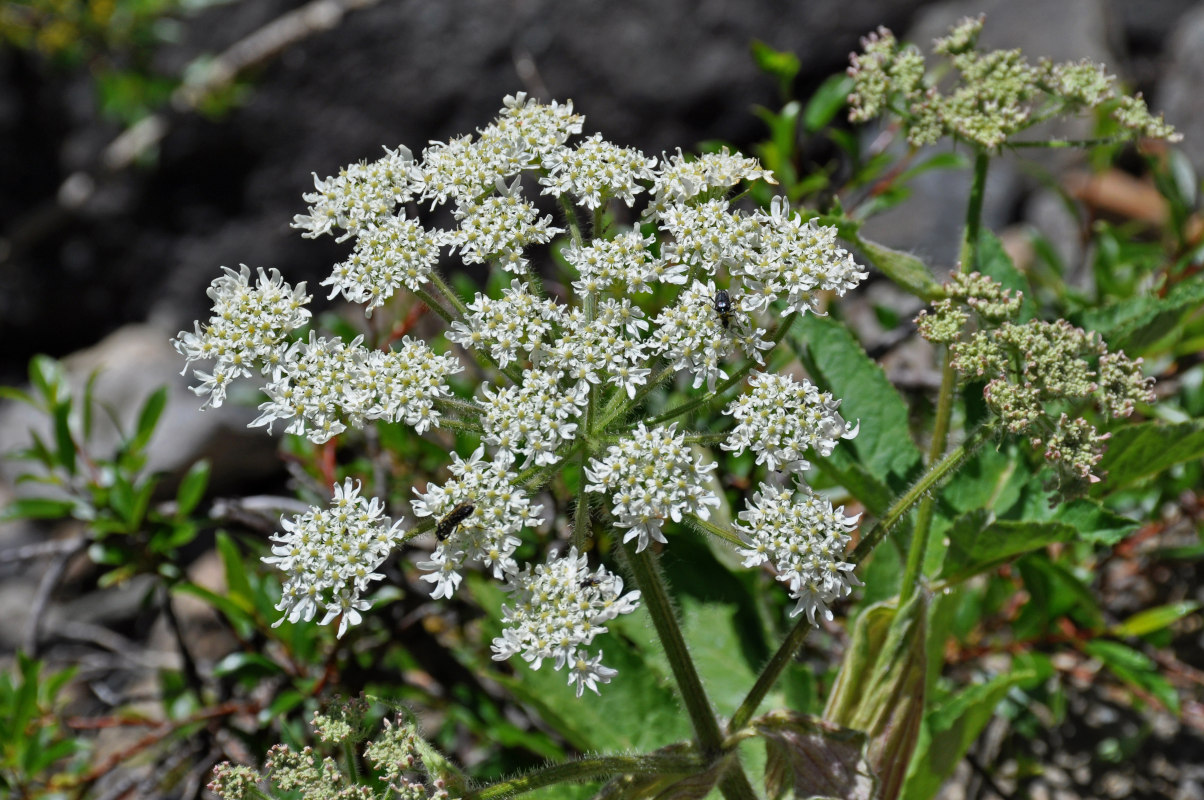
x=562 y=375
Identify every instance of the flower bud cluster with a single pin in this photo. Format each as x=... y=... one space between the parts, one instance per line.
x=652 y=477
x=805 y=540
x=1035 y=368
x=998 y=94
x=394 y=757
x=556 y=610
x=966 y=292
x=781 y=418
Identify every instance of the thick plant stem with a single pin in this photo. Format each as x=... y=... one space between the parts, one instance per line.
x=769 y=675
x=940 y=439
x=593 y=769
x=944 y=407
x=974 y=212
x=927 y=482
x=656 y=599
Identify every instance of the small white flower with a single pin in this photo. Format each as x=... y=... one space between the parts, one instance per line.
x=652 y=477
x=488 y=535
x=780 y=418
x=330 y=556
x=391 y=253
x=556 y=610
x=626 y=261
x=247 y=332
x=806 y=541
x=496 y=227
x=606 y=349
x=324 y=386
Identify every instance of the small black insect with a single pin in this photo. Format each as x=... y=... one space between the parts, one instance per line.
x=453 y=518
x=722 y=303
x=590 y=580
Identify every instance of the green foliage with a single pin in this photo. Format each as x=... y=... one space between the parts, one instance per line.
x=36 y=750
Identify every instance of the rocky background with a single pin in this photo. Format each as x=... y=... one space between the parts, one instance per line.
x=109 y=235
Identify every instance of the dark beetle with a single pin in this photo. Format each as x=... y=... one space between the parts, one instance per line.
x=722 y=303
x=453 y=518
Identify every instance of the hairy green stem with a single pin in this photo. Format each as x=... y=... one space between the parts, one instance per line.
x=978 y=188
x=652 y=591
x=770 y=673
x=927 y=482
x=595 y=768
x=581 y=518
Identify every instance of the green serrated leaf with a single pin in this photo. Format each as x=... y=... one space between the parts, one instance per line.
x=828 y=100
x=978 y=542
x=1095 y=523
x=838 y=363
x=1138 y=321
x=1138 y=451
x=1153 y=619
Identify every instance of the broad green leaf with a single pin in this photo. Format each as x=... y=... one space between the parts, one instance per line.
x=950 y=727
x=1094 y=523
x=875 y=495
x=192 y=488
x=1143 y=318
x=37 y=508
x=1153 y=619
x=978 y=543
x=838 y=363
x=810 y=757
x=1138 y=451
x=991 y=479
x=718 y=652
x=831 y=96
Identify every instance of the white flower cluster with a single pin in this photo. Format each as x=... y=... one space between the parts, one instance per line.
x=577 y=358
x=331 y=555
x=780 y=418
x=533 y=419
x=325 y=385
x=805 y=540
x=489 y=534
x=595 y=170
x=247 y=329
x=388 y=254
x=626 y=261
x=515 y=322
x=556 y=610
x=695 y=337
x=653 y=477
x=606 y=347
x=361 y=194
x=498 y=226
